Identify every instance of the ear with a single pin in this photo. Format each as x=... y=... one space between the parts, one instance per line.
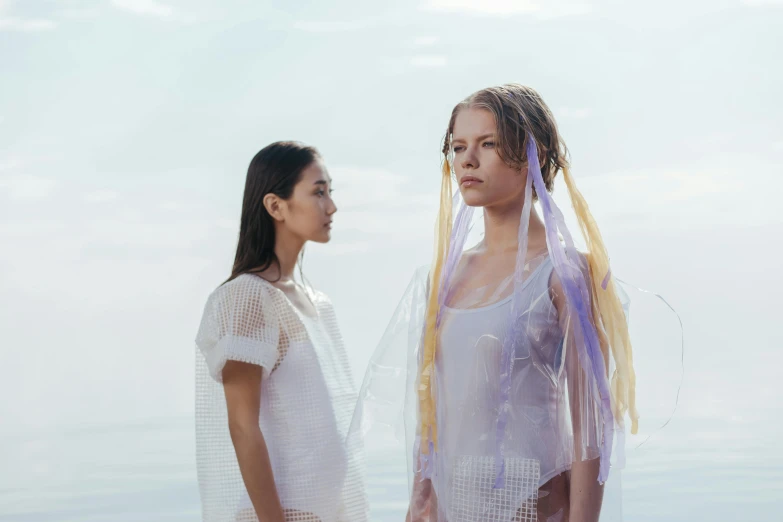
x=272 y=204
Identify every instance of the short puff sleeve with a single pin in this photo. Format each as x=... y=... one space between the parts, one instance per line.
x=240 y=323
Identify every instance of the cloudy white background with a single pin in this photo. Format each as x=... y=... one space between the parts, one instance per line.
x=126 y=128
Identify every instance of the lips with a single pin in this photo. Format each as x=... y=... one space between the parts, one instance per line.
x=469 y=180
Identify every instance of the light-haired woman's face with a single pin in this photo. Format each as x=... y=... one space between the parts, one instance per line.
x=485 y=180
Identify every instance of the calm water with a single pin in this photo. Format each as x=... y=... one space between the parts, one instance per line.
x=708 y=471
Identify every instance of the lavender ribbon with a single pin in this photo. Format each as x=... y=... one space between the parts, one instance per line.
x=426 y=460
x=566 y=263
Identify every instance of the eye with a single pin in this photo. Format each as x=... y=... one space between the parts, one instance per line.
x=489 y=144
x=459 y=148
x=320 y=193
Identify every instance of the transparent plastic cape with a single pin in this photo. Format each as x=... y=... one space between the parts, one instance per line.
x=528 y=415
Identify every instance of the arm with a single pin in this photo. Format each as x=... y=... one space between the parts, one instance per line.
x=422 y=498
x=242 y=385
x=586 y=494
x=419 y=507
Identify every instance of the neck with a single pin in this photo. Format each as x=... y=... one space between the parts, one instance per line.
x=501 y=228
x=287 y=249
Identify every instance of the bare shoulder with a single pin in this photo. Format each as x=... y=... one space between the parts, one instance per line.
x=556 y=291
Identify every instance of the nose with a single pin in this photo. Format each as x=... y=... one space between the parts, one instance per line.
x=469 y=159
x=331 y=208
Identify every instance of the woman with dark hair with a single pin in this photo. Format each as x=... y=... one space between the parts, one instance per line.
x=274 y=394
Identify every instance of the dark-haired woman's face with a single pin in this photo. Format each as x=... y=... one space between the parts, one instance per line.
x=308 y=212
x=485 y=180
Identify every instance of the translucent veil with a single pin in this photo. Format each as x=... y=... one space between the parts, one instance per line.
x=495 y=388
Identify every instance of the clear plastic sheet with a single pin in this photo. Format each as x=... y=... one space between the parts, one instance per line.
x=523 y=384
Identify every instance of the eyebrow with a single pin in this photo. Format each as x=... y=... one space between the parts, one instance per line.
x=322 y=182
x=480 y=138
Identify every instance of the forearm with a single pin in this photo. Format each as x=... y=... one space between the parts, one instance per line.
x=256 y=469
x=586 y=493
x=419 y=507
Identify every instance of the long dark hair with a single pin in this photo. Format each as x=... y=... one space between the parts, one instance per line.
x=276 y=169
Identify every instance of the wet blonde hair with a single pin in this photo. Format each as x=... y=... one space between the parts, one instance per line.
x=519 y=110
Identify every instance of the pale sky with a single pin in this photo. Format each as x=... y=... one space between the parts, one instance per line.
x=126 y=128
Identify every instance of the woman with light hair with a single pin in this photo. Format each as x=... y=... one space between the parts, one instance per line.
x=515 y=352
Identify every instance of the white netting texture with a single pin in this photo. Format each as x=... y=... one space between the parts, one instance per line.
x=307 y=400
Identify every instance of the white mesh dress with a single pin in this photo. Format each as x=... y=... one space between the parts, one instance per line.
x=307 y=400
